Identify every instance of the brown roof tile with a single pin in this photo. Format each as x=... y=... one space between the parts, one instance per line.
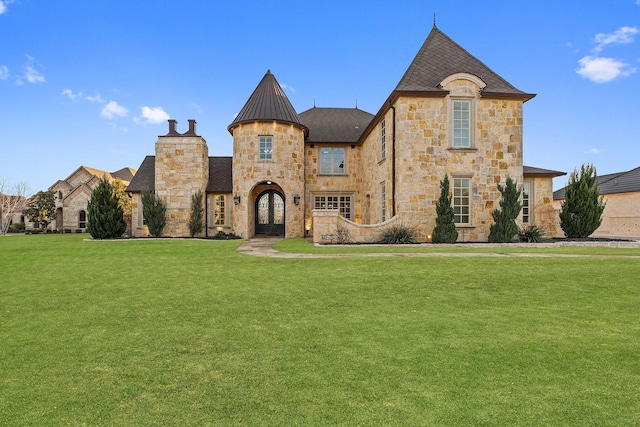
x=335 y=124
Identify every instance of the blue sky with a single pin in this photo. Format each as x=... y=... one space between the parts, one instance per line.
x=93 y=82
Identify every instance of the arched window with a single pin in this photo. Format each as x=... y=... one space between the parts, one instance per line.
x=82 y=219
x=59 y=195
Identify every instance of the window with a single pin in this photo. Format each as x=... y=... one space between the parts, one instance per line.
x=219 y=210
x=383 y=202
x=332 y=161
x=266 y=148
x=461 y=124
x=526 y=197
x=82 y=219
x=336 y=201
x=383 y=140
x=461 y=200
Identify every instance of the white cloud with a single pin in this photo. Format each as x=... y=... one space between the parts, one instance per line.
x=31 y=75
x=4 y=73
x=113 y=110
x=154 y=115
x=595 y=151
x=96 y=98
x=4 y=4
x=602 y=70
x=622 y=36
x=72 y=96
x=285 y=87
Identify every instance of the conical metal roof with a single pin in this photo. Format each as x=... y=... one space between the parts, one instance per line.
x=268 y=102
x=440 y=57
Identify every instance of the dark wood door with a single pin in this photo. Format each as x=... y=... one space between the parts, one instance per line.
x=270 y=214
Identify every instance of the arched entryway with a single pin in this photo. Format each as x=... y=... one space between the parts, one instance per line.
x=270 y=214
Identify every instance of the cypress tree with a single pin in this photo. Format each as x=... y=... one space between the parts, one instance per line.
x=154 y=212
x=581 y=211
x=105 y=218
x=445 y=230
x=196 y=222
x=504 y=227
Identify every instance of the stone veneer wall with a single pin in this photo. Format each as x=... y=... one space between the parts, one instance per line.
x=329 y=228
x=545 y=215
x=423 y=156
x=285 y=171
x=182 y=168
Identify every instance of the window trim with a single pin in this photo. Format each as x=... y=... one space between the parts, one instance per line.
x=82 y=223
x=455 y=198
x=452 y=121
x=383 y=139
x=268 y=151
x=331 y=161
x=345 y=207
x=215 y=199
x=383 y=201
x=527 y=218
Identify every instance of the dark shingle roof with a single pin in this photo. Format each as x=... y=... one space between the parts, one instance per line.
x=145 y=177
x=613 y=183
x=335 y=124
x=531 y=171
x=219 y=175
x=125 y=174
x=267 y=102
x=439 y=57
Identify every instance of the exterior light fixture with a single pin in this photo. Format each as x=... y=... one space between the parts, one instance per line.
x=296 y=199
x=236 y=200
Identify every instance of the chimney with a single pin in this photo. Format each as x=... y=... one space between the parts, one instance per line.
x=172 y=128
x=192 y=128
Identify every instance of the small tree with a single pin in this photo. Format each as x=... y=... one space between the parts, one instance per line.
x=581 y=211
x=154 y=211
x=10 y=203
x=504 y=227
x=445 y=230
x=124 y=201
x=41 y=209
x=196 y=221
x=105 y=218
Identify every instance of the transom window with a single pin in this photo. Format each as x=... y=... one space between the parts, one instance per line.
x=461 y=200
x=462 y=124
x=332 y=161
x=526 y=212
x=383 y=139
x=266 y=147
x=219 y=209
x=335 y=201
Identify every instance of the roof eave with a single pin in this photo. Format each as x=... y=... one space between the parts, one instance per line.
x=289 y=122
x=519 y=96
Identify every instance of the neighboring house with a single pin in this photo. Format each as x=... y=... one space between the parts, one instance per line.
x=621 y=192
x=72 y=195
x=15 y=206
x=327 y=170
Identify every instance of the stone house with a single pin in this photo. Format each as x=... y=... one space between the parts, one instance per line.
x=621 y=192
x=327 y=171
x=72 y=195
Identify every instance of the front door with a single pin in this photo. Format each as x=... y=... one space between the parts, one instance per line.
x=270 y=214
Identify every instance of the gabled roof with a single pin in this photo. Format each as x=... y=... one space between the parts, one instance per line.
x=613 y=183
x=268 y=102
x=145 y=178
x=124 y=174
x=220 y=180
x=531 y=171
x=335 y=124
x=440 y=57
x=220 y=175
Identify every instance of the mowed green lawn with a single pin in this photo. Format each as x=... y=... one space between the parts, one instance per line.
x=189 y=332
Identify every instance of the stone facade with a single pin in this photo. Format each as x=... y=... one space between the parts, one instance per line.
x=343 y=169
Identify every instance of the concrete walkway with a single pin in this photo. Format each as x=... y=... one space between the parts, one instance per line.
x=263 y=246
